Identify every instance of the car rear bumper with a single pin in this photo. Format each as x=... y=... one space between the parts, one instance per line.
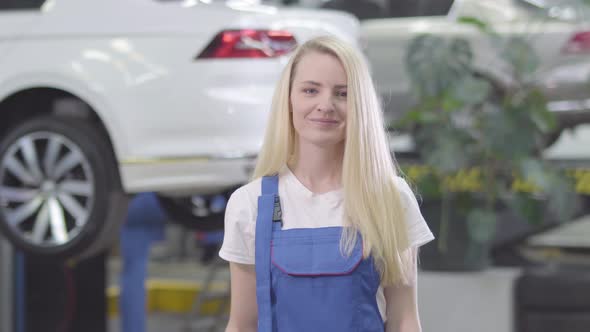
x=571 y=112
x=186 y=176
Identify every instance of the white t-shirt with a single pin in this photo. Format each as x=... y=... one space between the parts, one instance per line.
x=302 y=208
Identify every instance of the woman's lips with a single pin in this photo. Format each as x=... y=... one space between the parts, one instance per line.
x=325 y=121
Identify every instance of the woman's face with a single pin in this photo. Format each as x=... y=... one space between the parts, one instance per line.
x=318 y=99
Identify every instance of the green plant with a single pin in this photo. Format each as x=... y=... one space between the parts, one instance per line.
x=464 y=122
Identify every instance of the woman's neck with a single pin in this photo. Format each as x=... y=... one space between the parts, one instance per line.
x=318 y=168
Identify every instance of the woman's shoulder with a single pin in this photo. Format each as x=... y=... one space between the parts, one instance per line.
x=403 y=185
x=406 y=190
x=247 y=194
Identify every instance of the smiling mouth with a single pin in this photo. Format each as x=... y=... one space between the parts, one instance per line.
x=326 y=121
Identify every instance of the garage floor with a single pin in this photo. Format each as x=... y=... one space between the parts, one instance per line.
x=478 y=299
x=156 y=323
x=174 y=261
x=449 y=302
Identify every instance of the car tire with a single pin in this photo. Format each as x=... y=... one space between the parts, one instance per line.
x=58 y=180
x=553 y=298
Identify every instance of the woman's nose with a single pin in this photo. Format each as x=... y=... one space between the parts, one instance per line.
x=326 y=103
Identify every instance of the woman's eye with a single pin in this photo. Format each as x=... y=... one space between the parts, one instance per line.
x=341 y=94
x=310 y=91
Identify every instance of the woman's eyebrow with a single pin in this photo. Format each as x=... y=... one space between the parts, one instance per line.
x=312 y=83
x=339 y=86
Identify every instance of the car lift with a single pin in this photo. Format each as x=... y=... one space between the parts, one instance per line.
x=7 y=286
x=50 y=296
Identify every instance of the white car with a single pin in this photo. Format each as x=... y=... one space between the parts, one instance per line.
x=99 y=99
x=559 y=30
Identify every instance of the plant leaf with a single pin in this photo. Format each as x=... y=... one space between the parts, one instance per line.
x=471 y=90
x=506 y=135
x=558 y=190
x=481 y=225
x=476 y=22
x=434 y=63
x=526 y=207
x=563 y=202
x=520 y=55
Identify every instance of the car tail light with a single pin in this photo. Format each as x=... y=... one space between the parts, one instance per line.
x=249 y=44
x=578 y=43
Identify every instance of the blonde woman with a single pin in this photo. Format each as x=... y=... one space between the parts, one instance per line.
x=324 y=238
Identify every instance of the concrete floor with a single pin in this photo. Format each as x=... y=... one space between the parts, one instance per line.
x=156 y=323
x=448 y=302
x=177 y=258
x=466 y=291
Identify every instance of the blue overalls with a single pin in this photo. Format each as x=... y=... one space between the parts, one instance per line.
x=303 y=282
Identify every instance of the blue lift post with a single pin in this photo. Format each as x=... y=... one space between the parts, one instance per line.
x=20 y=292
x=144 y=225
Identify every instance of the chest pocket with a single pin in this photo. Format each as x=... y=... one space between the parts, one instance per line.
x=310 y=256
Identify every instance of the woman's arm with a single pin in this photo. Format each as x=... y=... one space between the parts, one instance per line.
x=402 y=304
x=243 y=316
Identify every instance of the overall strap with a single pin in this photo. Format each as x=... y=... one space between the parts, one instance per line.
x=270 y=185
x=267 y=213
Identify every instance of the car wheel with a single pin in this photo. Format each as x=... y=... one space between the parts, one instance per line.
x=57 y=177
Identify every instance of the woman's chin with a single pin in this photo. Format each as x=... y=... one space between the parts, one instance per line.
x=323 y=141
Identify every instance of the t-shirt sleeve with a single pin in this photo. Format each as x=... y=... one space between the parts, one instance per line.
x=238 y=239
x=418 y=231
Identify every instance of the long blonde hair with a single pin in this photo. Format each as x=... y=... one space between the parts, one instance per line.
x=372 y=203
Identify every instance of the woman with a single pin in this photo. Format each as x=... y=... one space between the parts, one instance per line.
x=336 y=228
